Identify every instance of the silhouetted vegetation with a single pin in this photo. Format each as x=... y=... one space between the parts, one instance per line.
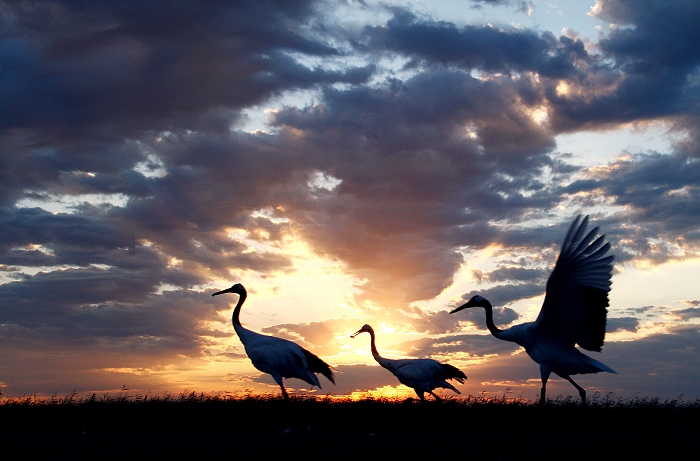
x=475 y=427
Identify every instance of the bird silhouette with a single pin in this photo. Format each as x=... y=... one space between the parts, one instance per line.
x=574 y=310
x=422 y=375
x=278 y=357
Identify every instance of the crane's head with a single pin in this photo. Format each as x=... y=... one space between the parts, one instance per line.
x=364 y=329
x=476 y=301
x=237 y=288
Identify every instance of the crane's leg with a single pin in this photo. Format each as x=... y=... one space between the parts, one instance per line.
x=435 y=395
x=544 y=374
x=278 y=380
x=581 y=391
x=284 y=392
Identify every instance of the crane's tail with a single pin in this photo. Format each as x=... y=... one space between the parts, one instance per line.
x=446 y=385
x=451 y=372
x=319 y=366
x=594 y=366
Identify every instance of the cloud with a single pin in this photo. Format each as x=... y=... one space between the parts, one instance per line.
x=505 y=294
x=662 y=35
x=477 y=47
x=687 y=314
x=172 y=322
x=505 y=273
x=660 y=191
x=407 y=168
x=210 y=59
x=622 y=324
x=474 y=345
x=439 y=322
x=651 y=58
x=317 y=337
x=658 y=365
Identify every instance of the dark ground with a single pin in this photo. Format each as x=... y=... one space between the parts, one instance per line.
x=199 y=428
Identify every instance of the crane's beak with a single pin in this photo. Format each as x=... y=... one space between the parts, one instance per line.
x=357 y=333
x=227 y=290
x=463 y=306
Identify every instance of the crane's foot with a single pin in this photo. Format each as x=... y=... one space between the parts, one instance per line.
x=284 y=393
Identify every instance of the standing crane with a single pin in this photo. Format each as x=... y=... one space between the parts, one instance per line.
x=278 y=357
x=422 y=375
x=574 y=310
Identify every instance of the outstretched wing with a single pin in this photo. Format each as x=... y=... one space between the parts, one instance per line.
x=575 y=307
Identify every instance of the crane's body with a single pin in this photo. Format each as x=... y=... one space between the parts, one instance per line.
x=422 y=375
x=276 y=356
x=574 y=310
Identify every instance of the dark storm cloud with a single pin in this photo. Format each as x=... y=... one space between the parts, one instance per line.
x=516 y=273
x=662 y=35
x=654 y=55
x=150 y=65
x=477 y=47
x=107 y=317
x=74 y=239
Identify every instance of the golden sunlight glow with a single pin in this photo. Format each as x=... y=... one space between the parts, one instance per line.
x=465 y=359
x=174 y=262
x=539 y=115
x=471 y=131
x=562 y=89
x=134 y=371
x=384 y=328
x=399 y=392
x=508 y=383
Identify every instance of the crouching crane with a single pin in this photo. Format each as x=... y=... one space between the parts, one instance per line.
x=422 y=375
x=276 y=356
x=574 y=310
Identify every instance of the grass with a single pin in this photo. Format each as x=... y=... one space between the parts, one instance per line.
x=475 y=427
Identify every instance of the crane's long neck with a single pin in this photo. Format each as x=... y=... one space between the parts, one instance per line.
x=497 y=332
x=237 y=311
x=373 y=346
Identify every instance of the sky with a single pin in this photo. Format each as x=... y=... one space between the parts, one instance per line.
x=348 y=162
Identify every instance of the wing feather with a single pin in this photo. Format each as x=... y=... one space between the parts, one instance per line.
x=575 y=307
x=319 y=366
x=452 y=372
